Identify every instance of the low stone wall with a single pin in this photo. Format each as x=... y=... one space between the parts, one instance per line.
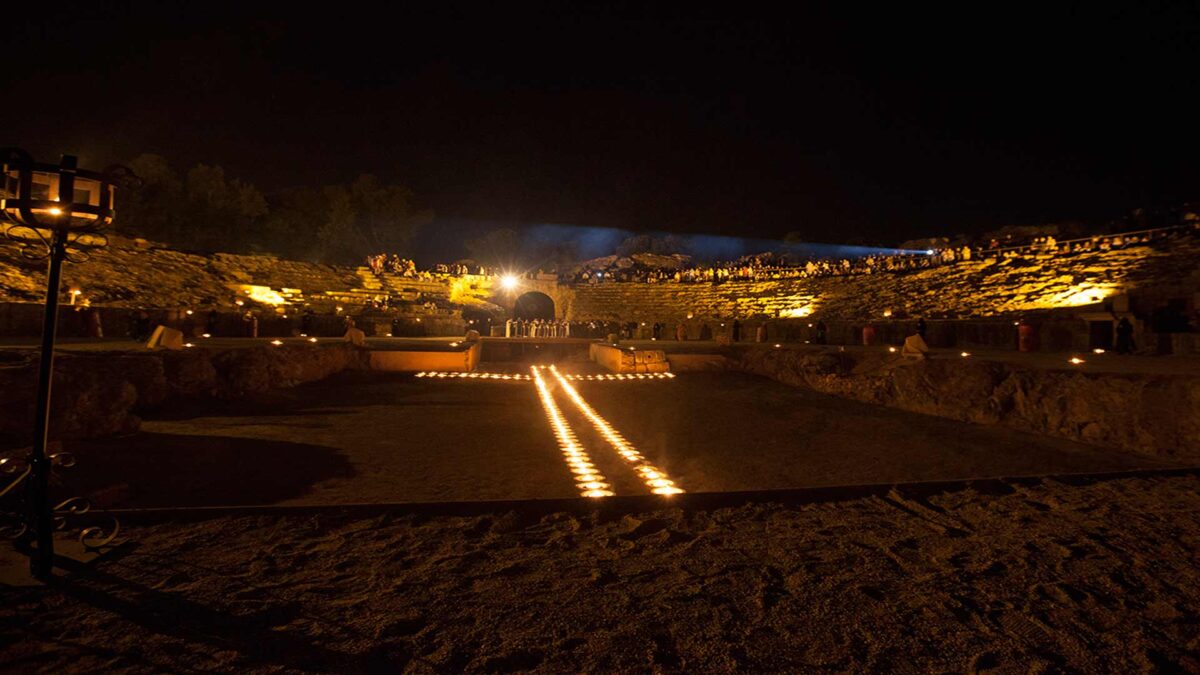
x=412 y=360
x=1144 y=414
x=102 y=393
x=622 y=360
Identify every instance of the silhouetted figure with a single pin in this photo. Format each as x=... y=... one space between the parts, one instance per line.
x=736 y=332
x=210 y=324
x=705 y=332
x=95 y=328
x=307 y=319
x=1125 y=337
x=657 y=332
x=680 y=331
x=141 y=326
x=822 y=333
x=921 y=327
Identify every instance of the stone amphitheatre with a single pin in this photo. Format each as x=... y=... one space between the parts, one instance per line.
x=489 y=503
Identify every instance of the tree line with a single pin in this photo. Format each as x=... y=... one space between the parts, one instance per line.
x=204 y=209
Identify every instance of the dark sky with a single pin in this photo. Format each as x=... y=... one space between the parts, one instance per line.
x=844 y=123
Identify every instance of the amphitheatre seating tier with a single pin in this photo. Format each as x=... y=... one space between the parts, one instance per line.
x=130 y=273
x=135 y=274
x=972 y=289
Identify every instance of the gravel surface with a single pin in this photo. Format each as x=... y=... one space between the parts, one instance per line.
x=1044 y=577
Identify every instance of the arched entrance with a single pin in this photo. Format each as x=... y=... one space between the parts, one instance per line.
x=534 y=305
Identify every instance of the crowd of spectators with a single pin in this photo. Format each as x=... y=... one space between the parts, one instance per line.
x=760 y=268
x=384 y=263
x=772 y=267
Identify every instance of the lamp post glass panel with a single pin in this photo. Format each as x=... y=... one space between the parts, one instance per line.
x=55 y=204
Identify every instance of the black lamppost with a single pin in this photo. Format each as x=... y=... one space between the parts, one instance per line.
x=56 y=204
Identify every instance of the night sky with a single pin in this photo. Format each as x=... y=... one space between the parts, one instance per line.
x=844 y=124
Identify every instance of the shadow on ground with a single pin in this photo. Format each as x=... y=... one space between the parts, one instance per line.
x=151 y=469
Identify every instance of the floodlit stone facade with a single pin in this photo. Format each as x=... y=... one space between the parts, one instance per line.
x=130 y=273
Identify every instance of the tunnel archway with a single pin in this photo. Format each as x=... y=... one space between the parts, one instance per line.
x=534 y=305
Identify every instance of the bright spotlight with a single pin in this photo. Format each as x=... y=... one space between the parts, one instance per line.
x=508 y=282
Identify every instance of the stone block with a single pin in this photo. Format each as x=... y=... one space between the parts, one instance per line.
x=167 y=338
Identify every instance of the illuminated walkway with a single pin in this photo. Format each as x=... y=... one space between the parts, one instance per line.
x=589 y=480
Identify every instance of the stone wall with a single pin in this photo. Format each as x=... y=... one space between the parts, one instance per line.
x=102 y=393
x=1144 y=414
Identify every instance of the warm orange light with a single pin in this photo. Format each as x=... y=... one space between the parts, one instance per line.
x=965 y=354
x=587 y=478
x=1075 y=360
x=655 y=479
x=276 y=342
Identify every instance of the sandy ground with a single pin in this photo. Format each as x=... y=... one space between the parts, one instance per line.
x=395 y=438
x=1045 y=577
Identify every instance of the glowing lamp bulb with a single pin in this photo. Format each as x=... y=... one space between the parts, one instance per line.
x=276 y=342
x=55 y=211
x=965 y=354
x=1075 y=360
x=508 y=282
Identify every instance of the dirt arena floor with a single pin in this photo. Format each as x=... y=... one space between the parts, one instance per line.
x=370 y=438
x=1034 y=577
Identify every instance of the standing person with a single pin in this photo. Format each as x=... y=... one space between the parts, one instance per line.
x=921 y=327
x=657 y=331
x=681 y=332
x=1125 y=336
x=210 y=323
x=736 y=331
x=95 y=329
x=822 y=333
